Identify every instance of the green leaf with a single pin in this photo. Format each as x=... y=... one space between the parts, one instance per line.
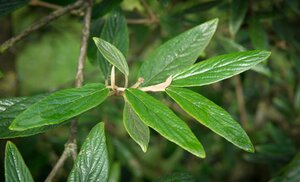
x=258 y=35
x=177 y=53
x=12 y=108
x=163 y=120
x=112 y=55
x=176 y=177
x=137 y=130
x=8 y=102
x=7 y=6
x=212 y=116
x=15 y=167
x=218 y=68
x=115 y=31
x=1 y=74
x=60 y=106
x=238 y=12
x=290 y=173
x=105 y=6
x=92 y=162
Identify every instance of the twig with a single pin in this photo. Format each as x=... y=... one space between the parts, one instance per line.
x=44 y=4
x=151 y=16
x=58 y=165
x=39 y=24
x=241 y=101
x=71 y=146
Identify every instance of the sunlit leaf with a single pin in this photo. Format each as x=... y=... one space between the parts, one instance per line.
x=177 y=53
x=218 y=68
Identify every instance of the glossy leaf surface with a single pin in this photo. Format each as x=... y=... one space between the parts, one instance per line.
x=212 y=116
x=218 y=68
x=137 y=130
x=60 y=106
x=15 y=167
x=92 y=161
x=177 y=53
x=16 y=107
x=112 y=55
x=164 y=121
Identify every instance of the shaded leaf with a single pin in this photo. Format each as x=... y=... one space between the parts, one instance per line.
x=17 y=106
x=92 y=162
x=179 y=52
x=112 y=55
x=7 y=6
x=176 y=177
x=15 y=167
x=238 y=12
x=60 y=106
x=105 y=6
x=218 y=68
x=137 y=130
x=291 y=173
x=212 y=116
x=164 y=121
x=1 y=74
x=258 y=34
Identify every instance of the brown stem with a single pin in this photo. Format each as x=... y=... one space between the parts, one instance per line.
x=71 y=146
x=58 y=165
x=44 y=4
x=241 y=101
x=39 y=24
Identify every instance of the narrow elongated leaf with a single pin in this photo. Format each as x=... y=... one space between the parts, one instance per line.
x=60 y=106
x=212 y=116
x=112 y=55
x=238 y=12
x=13 y=108
x=218 y=68
x=164 y=121
x=15 y=167
x=177 y=53
x=137 y=130
x=1 y=74
x=115 y=31
x=92 y=162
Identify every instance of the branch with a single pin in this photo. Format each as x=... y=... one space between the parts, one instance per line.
x=39 y=24
x=71 y=146
x=241 y=101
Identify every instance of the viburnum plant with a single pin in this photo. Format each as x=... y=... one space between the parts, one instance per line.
x=170 y=68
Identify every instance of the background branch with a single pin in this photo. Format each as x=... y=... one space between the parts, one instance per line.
x=39 y=24
x=71 y=146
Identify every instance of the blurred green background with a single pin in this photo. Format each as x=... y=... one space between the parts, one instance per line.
x=266 y=99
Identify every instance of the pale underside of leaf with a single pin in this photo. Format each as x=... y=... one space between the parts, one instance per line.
x=137 y=130
x=112 y=55
x=163 y=120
